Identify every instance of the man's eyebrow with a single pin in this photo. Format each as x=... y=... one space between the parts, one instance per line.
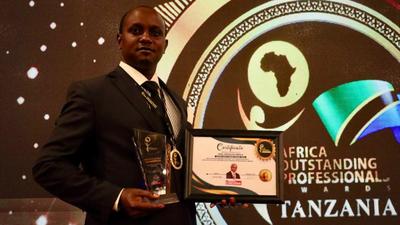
x=155 y=26
x=135 y=24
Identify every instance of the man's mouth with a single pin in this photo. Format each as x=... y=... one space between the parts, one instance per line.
x=145 y=49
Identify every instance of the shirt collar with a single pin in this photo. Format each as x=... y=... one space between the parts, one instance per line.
x=136 y=75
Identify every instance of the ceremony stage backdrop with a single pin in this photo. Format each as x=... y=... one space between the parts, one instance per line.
x=326 y=72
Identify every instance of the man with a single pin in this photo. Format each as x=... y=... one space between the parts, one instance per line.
x=90 y=160
x=232 y=173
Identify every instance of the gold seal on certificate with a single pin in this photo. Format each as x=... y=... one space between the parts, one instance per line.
x=265 y=175
x=152 y=152
x=265 y=149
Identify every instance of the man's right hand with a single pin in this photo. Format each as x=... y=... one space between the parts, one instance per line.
x=138 y=202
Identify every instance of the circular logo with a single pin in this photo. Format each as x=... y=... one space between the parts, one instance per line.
x=265 y=149
x=265 y=175
x=278 y=74
x=147 y=139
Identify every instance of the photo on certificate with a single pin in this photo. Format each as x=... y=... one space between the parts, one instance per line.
x=240 y=163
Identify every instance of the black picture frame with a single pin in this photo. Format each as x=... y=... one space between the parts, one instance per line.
x=198 y=189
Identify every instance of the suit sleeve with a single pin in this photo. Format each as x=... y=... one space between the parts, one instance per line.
x=58 y=167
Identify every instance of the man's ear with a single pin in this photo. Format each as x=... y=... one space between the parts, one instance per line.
x=166 y=45
x=119 y=39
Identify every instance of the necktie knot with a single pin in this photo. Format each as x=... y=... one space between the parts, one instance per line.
x=152 y=87
x=158 y=107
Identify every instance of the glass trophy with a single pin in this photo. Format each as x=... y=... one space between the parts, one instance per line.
x=153 y=152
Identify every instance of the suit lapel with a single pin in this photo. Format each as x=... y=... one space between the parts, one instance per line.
x=132 y=92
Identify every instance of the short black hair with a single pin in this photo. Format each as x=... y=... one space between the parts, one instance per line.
x=121 y=22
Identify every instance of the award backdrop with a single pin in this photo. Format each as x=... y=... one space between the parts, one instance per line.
x=326 y=72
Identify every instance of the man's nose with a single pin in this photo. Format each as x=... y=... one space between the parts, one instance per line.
x=145 y=37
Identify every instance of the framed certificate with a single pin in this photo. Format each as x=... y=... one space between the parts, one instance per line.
x=243 y=164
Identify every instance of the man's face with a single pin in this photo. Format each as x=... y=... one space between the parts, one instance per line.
x=233 y=167
x=142 y=39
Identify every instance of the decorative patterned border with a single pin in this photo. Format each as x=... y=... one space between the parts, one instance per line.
x=170 y=11
x=281 y=10
x=203 y=214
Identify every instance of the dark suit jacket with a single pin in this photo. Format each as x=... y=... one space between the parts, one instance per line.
x=90 y=155
x=229 y=175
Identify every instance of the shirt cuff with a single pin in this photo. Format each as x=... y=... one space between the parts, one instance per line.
x=116 y=203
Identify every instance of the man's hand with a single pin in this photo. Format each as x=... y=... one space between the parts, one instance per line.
x=138 y=202
x=229 y=204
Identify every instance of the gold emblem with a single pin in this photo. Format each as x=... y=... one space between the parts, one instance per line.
x=265 y=149
x=265 y=175
x=176 y=159
x=147 y=141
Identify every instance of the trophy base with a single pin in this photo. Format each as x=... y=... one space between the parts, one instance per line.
x=166 y=199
